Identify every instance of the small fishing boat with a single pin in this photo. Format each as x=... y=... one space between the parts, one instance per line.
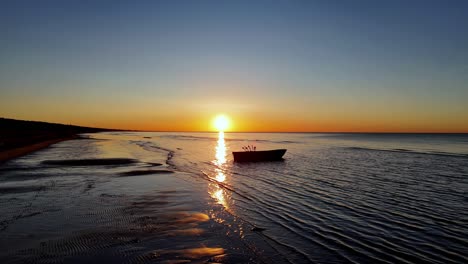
x=262 y=155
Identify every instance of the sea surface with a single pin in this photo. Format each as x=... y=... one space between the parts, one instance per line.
x=335 y=198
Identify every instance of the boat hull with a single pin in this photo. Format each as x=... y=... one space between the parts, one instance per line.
x=255 y=156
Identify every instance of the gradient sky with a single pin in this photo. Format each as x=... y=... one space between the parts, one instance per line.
x=269 y=65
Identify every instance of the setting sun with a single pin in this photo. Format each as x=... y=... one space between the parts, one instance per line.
x=221 y=122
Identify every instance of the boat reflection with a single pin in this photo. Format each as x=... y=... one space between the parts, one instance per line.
x=215 y=190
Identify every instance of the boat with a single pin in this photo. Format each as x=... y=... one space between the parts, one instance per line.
x=261 y=155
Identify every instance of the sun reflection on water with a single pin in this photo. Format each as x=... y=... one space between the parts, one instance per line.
x=220 y=150
x=220 y=177
x=219 y=196
x=216 y=191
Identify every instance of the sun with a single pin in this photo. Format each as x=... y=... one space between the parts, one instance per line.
x=221 y=122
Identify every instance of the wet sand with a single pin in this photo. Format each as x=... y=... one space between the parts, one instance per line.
x=92 y=201
x=9 y=154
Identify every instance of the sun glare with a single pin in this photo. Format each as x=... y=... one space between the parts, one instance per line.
x=221 y=122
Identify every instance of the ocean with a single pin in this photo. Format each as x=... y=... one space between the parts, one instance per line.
x=335 y=198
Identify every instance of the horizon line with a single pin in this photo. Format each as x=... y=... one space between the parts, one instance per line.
x=291 y=132
x=211 y=131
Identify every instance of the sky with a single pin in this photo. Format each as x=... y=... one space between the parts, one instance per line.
x=302 y=66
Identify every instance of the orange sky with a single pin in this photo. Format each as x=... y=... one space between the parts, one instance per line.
x=289 y=114
x=301 y=66
x=261 y=117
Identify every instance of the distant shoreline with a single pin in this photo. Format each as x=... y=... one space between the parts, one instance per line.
x=20 y=137
x=303 y=132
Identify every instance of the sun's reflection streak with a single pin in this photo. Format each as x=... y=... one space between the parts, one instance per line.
x=219 y=196
x=220 y=177
x=220 y=150
x=216 y=191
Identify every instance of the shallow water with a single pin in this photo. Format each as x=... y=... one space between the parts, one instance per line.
x=336 y=198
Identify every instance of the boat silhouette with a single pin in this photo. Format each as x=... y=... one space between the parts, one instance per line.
x=261 y=155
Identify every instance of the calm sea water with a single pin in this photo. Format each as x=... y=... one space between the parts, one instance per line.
x=335 y=198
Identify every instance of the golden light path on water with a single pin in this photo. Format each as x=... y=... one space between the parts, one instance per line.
x=216 y=191
x=220 y=150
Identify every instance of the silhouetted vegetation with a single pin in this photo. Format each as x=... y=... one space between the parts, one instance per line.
x=18 y=133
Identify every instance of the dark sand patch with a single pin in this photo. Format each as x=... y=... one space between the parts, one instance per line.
x=111 y=195
x=155 y=164
x=24 y=176
x=19 y=189
x=90 y=162
x=30 y=214
x=144 y=172
x=258 y=229
x=20 y=169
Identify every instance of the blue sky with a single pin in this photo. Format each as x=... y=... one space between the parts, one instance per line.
x=370 y=62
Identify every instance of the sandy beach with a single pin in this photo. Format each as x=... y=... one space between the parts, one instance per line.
x=92 y=200
x=6 y=155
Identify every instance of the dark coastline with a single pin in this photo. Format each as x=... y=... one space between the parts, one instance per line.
x=20 y=137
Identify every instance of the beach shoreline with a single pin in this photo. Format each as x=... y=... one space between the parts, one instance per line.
x=105 y=198
x=10 y=154
x=21 y=137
